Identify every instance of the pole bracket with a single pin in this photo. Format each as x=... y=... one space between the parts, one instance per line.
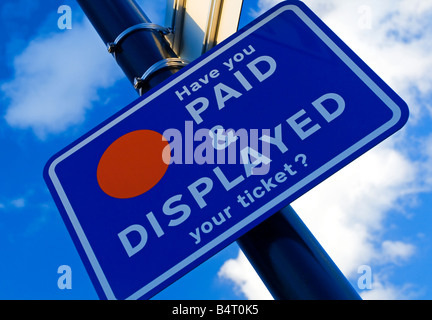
x=165 y=63
x=114 y=46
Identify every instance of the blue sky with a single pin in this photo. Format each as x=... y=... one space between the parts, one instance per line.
x=55 y=85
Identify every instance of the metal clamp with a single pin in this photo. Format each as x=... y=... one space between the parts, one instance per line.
x=113 y=46
x=166 y=63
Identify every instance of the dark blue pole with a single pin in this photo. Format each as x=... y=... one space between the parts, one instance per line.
x=291 y=262
x=139 y=50
x=282 y=250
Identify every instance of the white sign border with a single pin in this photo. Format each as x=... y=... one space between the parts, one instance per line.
x=181 y=265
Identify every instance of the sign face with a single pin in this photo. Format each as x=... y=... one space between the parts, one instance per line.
x=226 y=142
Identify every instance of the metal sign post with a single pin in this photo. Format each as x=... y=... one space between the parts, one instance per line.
x=137 y=44
x=159 y=221
x=199 y=25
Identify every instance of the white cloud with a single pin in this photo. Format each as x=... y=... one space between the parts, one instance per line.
x=57 y=79
x=426 y=165
x=18 y=203
x=396 y=251
x=382 y=289
x=245 y=279
x=348 y=212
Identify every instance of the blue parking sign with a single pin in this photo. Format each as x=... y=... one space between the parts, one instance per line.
x=229 y=140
